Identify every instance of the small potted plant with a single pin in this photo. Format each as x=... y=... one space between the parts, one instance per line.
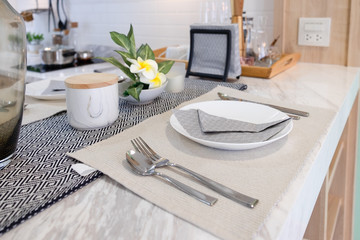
x=148 y=77
x=34 y=41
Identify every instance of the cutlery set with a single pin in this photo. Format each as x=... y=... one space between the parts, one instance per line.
x=145 y=160
x=142 y=166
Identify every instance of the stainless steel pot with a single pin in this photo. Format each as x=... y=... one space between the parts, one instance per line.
x=57 y=55
x=85 y=55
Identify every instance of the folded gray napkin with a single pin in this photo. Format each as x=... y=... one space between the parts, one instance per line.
x=210 y=123
x=202 y=125
x=58 y=85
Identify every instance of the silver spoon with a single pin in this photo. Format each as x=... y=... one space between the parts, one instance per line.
x=141 y=166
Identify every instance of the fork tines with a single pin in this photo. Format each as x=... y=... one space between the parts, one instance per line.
x=141 y=146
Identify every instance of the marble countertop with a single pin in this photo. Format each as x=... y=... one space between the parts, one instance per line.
x=105 y=209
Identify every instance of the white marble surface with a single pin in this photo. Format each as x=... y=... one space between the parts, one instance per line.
x=104 y=209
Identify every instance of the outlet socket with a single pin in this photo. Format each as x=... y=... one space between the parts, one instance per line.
x=314 y=32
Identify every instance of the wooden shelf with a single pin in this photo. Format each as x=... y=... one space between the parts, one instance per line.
x=334 y=206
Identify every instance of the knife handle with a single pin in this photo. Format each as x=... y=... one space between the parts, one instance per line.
x=288 y=110
x=202 y=197
x=283 y=109
x=219 y=188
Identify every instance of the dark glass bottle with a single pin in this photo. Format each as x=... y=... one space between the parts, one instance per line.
x=12 y=79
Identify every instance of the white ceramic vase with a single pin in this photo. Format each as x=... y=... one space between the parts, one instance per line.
x=146 y=96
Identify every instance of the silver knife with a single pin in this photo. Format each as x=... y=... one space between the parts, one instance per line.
x=224 y=96
x=104 y=69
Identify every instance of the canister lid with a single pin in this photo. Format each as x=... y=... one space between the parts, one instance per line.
x=91 y=80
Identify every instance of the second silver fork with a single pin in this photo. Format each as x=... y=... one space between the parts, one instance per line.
x=159 y=161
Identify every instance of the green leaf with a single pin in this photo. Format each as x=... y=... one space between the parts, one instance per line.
x=145 y=52
x=146 y=86
x=121 y=39
x=134 y=90
x=131 y=37
x=29 y=37
x=139 y=50
x=165 y=66
x=117 y=64
x=125 y=56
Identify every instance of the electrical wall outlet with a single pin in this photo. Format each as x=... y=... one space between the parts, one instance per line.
x=314 y=32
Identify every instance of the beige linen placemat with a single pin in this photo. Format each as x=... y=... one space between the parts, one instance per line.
x=263 y=173
x=40 y=109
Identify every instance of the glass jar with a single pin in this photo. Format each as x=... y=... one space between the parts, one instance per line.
x=248 y=25
x=12 y=79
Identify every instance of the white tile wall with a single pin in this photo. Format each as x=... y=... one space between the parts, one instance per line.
x=21 y=5
x=156 y=22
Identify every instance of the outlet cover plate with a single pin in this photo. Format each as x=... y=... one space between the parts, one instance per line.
x=314 y=32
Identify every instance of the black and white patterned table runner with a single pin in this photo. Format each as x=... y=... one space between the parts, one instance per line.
x=40 y=173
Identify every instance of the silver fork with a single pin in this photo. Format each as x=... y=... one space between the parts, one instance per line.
x=141 y=146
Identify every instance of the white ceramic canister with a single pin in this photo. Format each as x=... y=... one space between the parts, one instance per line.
x=92 y=100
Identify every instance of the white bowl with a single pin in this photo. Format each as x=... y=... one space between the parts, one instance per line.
x=146 y=96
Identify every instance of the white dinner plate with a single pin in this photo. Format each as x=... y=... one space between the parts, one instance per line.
x=243 y=111
x=36 y=90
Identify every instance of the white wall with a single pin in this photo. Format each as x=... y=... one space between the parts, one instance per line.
x=21 y=5
x=13 y=3
x=156 y=22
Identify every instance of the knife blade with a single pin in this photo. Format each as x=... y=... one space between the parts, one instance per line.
x=224 y=96
x=104 y=69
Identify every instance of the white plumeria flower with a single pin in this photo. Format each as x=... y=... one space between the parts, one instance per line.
x=157 y=81
x=147 y=68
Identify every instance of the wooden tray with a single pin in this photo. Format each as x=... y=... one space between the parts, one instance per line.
x=159 y=53
x=285 y=62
